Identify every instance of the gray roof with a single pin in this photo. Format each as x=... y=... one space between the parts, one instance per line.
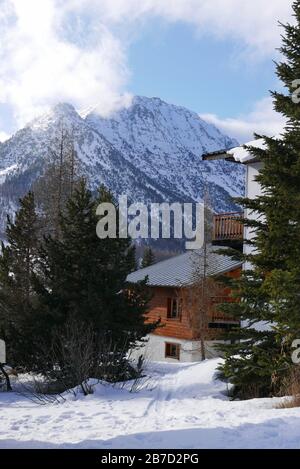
x=216 y=155
x=183 y=270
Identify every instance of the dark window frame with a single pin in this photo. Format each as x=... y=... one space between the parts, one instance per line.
x=223 y=325
x=174 y=308
x=171 y=346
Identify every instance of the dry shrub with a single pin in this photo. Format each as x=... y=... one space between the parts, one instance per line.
x=291 y=387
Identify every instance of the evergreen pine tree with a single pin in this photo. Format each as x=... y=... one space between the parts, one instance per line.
x=267 y=299
x=18 y=262
x=148 y=258
x=84 y=277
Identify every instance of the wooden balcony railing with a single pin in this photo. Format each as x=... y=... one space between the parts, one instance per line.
x=228 y=227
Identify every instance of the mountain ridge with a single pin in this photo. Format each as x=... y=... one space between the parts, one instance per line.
x=150 y=151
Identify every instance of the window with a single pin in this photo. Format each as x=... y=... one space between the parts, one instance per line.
x=222 y=325
x=174 y=308
x=172 y=351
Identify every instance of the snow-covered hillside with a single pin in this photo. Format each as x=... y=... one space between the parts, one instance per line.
x=166 y=142
x=180 y=406
x=150 y=151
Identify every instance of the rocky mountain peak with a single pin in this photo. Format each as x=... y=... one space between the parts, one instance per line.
x=150 y=151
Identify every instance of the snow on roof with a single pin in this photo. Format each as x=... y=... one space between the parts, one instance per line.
x=183 y=269
x=239 y=154
x=242 y=155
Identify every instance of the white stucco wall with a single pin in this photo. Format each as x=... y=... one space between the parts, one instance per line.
x=190 y=350
x=253 y=189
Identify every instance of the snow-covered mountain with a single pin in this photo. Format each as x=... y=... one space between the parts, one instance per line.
x=150 y=151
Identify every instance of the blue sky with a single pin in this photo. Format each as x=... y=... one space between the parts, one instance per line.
x=202 y=73
x=212 y=56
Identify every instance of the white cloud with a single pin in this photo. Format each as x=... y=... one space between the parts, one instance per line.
x=262 y=120
x=76 y=50
x=39 y=66
x=3 y=136
x=254 y=24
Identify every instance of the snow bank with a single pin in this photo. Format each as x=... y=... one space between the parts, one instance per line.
x=179 y=406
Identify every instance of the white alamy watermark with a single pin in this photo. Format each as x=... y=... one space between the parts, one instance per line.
x=165 y=220
x=296 y=352
x=296 y=93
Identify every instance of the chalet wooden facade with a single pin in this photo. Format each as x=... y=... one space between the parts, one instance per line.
x=187 y=304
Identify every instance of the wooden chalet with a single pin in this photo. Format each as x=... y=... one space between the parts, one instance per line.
x=185 y=296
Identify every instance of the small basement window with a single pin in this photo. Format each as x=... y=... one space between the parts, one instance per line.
x=174 y=308
x=172 y=351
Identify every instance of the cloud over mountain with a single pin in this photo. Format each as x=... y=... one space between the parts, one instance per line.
x=76 y=50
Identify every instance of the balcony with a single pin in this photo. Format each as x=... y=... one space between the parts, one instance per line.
x=228 y=229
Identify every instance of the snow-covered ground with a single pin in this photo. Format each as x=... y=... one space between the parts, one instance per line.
x=180 y=406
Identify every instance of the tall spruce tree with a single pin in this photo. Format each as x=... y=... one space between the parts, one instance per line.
x=266 y=296
x=84 y=277
x=148 y=258
x=18 y=263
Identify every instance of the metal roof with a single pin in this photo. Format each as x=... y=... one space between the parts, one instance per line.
x=184 y=269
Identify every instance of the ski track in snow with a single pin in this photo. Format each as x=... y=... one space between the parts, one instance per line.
x=180 y=406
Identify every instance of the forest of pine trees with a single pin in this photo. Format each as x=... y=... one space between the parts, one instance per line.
x=63 y=292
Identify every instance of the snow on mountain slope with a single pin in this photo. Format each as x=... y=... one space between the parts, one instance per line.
x=150 y=151
x=166 y=142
